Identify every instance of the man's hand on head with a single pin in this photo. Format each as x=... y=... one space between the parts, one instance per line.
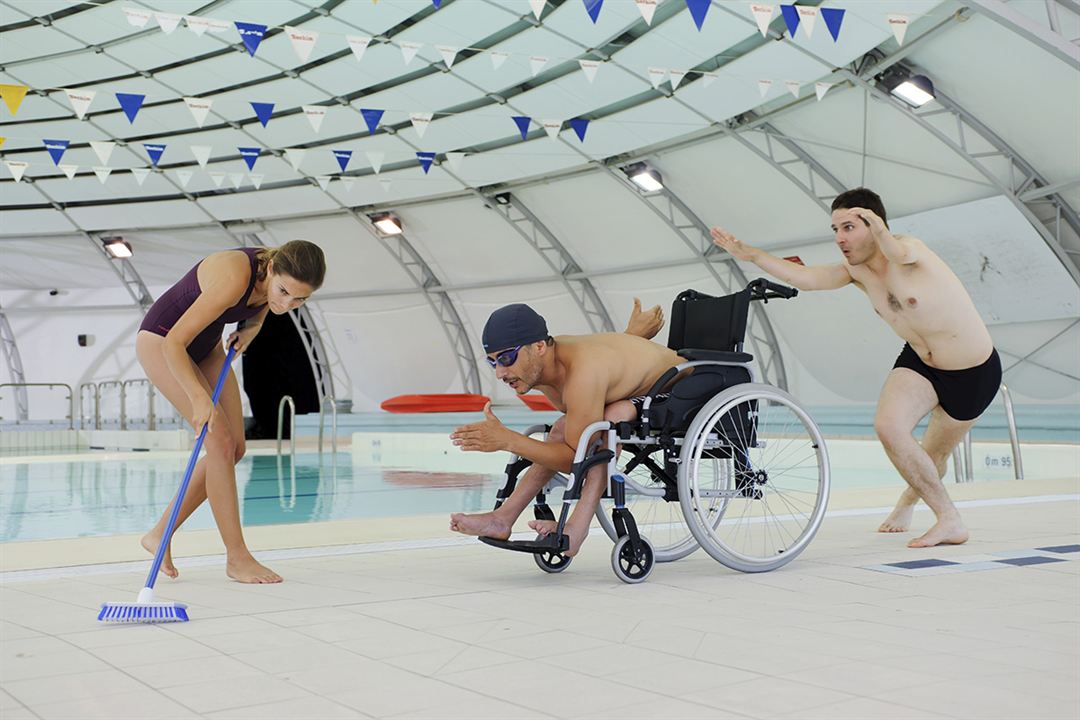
x=645 y=323
x=870 y=219
x=488 y=435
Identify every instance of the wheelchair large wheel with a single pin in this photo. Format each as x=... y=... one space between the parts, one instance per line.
x=765 y=506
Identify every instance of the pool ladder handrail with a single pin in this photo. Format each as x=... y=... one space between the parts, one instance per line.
x=963 y=467
x=333 y=416
x=70 y=417
x=286 y=399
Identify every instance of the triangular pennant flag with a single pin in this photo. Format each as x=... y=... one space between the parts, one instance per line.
x=793 y=87
x=13 y=96
x=167 y=21
x=523 y=124
x=237 y=179
x=376 y=160
x=657 y=76
x=420 y=122
x=303 y=41
x=202 y=154
x=184 y=176
x=589 y=67
x=251 y=34
x=409 y=50
x=455 y=159
x=217 y=177
x=898 y=24
x=593 y=8
x=425 y=158
x=154 y=150
x=498 y=58
x=324 y=181
x=385 y=184
x=140 y=174
x=342 y=157
x=263 y=111
x=103 y=149
x=80 y=100
x=196 y=24
x=552 y=127
x=256 y=179
x=372 y=118
x=676 y=77
x=137 y=16
x=199 y=108
x=348 y=182
x=764 y=86
x=70 y=170
x=537 y=7
x=807 y=15
x=358 y=44
x=250 y=155
x=821 y=88
x=56 y=149
x=580 y=125
x=708 y=79
x=647 y=8
x=17 y=168
x=537 y=62
x=698 y=10
x=448 y=54
x=130 y=102
x=763 y=16
x=791 y=18
x=295 y=156
x=315 y=115
x=2 y=141
x=102 y=174
x=833 y=17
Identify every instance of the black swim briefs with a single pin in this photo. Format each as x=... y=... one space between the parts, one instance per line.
x=963 y=394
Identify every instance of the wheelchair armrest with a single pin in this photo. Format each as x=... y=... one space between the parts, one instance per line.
x=698 y=355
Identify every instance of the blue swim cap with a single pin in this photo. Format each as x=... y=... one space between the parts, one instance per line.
x=511 y=326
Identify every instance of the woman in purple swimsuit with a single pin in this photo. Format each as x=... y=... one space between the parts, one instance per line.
x=179 y=347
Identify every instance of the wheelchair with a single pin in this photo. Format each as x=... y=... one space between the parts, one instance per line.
x=718 y=460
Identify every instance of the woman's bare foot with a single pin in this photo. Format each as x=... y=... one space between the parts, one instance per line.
x=150 y=541
x=481 y=524
x=249 y=570
x=899 y=519
x=544 y=528
x=944 y=532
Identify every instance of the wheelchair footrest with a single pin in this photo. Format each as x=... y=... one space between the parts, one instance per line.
x=550 y=543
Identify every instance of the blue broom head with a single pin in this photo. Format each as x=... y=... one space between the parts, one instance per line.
x=135 y=612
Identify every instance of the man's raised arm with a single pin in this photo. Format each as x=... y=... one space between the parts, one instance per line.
x=821 y=277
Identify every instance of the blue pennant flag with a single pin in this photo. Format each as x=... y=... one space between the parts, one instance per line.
x=250 y=155
x=263 y=111
x=252 y=34
x=56 y=149
x=437 y=3
x=425 y=158
x=698 y=8
x=372 y=118
x=154 y=150
x=833 y=18
x=131 y=103
x=791 y=18
x=523 y=124
x=342 y=157
x=580 y=125
x=593 y=8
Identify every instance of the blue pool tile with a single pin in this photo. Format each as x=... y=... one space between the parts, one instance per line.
x=1061 y=548
x=920 y=564
x=1032 y=560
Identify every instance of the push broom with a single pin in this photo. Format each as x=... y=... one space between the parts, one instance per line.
x=144 y=609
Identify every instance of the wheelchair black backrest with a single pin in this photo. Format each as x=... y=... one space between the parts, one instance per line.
x=709 y=323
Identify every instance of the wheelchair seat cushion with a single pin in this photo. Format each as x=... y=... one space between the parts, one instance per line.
x=690 y=393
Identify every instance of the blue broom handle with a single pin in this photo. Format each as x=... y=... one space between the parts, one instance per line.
x=160 y=555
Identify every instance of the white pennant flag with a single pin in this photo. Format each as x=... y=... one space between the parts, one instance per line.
x=763 y=15
x=409 y=50
x=80 y=100
x=420 y=121
x=647 y=8
x=324 y=181
x=256 y=179
x=359 y=44
x=537 y=7
x=376 y=160
x=793 y=87
x=199 y=108
x=295 y=156
x=137 y=16
x=217 y=177
x=103 y=149
x=348 y=182
x=448 y=54
x=140 y=174
x=237 y=179
x=196 y=24
x=708 y=79
x=657 y=76
x=498 y=58
x=17 y=168
x=202 y=154
x=807 y=16
x=764 y=86
x=315 y=115
x=303 y=41
x=898 y=24
x=185 y=177
x=167 y=21
x=589 y=67
x=102 y=173
x=537 y=62
x=676 y=77
x=455 y=159
x=70 y=170
x=821 y=88
x=552 y=127
x=385 y=184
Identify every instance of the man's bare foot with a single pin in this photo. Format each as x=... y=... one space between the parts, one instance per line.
x=249 y=570
x=899 y=519
x=150 y=541
x=944 y=532
x=544 y=528
x=487 y=524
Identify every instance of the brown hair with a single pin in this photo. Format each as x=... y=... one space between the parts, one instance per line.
x=864 y=198
x=299 y=259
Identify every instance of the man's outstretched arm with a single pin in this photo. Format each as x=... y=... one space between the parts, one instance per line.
x=819 y=277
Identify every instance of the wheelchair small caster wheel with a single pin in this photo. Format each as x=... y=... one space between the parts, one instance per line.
x=631 y=567
x=552 y=562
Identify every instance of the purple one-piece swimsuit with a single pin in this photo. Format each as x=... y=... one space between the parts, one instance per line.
x=175 y=301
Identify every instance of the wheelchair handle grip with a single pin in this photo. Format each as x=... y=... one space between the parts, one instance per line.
x=762 y=289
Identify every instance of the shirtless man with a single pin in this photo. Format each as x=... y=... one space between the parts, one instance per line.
x=948 y=366
x=588 y=377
